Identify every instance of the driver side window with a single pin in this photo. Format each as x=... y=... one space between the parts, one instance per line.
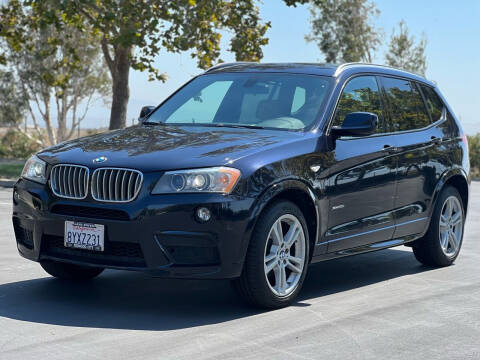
x=360 y=94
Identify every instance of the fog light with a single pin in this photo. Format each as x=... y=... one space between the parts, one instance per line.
x=203 y=214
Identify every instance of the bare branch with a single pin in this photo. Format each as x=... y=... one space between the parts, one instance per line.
x=34 y=119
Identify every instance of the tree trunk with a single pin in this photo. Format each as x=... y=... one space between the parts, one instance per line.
x=48 y=123
x=62 y=118
x=120 y=89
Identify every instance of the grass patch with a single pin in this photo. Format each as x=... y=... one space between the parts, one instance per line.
x=10 y=171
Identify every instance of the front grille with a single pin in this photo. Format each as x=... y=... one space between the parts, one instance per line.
x=90 y=212
x=69 y=181
x=116 y=184
x=116 y=253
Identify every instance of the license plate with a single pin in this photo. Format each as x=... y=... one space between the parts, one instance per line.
x=84 y=236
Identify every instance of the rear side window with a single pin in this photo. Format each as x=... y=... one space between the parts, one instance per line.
x=434 y=103
x=360 y=94
x=403 y=105
x=423 y=120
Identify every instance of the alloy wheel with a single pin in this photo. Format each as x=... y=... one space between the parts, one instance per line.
x=451 y=226
x=284 y=256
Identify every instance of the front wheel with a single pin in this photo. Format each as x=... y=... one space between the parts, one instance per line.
x=441 y=244
x=277 y=258
x=70 y=271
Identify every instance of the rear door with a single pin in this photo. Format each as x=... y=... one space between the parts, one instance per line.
x=361 y=185
x=416 y=141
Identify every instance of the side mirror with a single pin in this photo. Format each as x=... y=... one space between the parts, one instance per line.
x=146 y=110
x=356 y=124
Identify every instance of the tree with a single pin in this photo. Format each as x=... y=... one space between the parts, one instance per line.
x=404 y=54
x=343 y=29
x=12 y=103
x=133 y=32
x=47 y=75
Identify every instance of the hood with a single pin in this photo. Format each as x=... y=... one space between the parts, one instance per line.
x=153 y=148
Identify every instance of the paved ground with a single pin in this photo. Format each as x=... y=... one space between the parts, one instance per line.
x=379 y=305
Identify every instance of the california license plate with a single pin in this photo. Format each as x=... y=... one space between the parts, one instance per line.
x=84 y=236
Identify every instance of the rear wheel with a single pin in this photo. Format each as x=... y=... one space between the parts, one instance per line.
x=277 y=258
x=443 y=240
x=70 y=271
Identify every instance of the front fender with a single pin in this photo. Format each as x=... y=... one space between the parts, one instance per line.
x=273 y=191
x=276 y=189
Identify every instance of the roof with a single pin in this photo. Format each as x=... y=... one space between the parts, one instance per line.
x=299 y=68
x=323 y=69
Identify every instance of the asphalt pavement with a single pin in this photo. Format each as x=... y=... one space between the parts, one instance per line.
x=381 y=305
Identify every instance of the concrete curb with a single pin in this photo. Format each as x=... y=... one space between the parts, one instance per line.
x=7 y=183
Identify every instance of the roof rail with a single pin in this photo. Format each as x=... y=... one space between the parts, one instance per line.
x=226 y=64
x=341 y=67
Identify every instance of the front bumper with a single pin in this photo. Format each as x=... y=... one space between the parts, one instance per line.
x=155 y=233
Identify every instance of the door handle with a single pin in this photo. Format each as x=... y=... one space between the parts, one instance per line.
x=390 y=149
x=435 y=140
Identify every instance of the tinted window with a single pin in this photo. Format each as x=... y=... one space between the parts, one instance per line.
x=423 y=119
x=287 y=101
x=402 y=104
x=434 y=103
x=360 y=94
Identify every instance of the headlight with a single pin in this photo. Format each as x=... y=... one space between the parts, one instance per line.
x=34 y=170
x=208 y=180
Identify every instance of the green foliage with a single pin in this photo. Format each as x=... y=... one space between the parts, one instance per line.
x=16 y=145
x=343 y=29
x=474 y=152
x=134 y=32
x=11 y=171
x=149 y=26
x=404 y=54
x=12 y=103
x=53 y=67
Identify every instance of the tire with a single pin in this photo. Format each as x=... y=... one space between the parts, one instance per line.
x=67 y=271
x=274 y=271
x=431 y=250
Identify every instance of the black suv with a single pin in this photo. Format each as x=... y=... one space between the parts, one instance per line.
x=252 y=172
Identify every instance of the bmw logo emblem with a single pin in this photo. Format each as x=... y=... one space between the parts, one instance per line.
x=100 y=159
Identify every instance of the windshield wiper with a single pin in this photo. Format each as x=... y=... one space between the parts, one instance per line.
x=152 y=123
x=231 y=125
x=247 y=126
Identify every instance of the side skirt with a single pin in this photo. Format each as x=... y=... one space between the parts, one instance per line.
x=367 y=248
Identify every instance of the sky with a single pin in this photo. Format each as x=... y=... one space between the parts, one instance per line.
x=452 y=29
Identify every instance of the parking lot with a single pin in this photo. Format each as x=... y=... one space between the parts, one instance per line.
x=380 y=305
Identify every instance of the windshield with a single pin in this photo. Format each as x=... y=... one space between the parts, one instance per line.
x=266 y=100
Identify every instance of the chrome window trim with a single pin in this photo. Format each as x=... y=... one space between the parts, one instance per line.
x=64 y=196
x=135 y=195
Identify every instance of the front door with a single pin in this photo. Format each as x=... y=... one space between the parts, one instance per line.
x=362 y=181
